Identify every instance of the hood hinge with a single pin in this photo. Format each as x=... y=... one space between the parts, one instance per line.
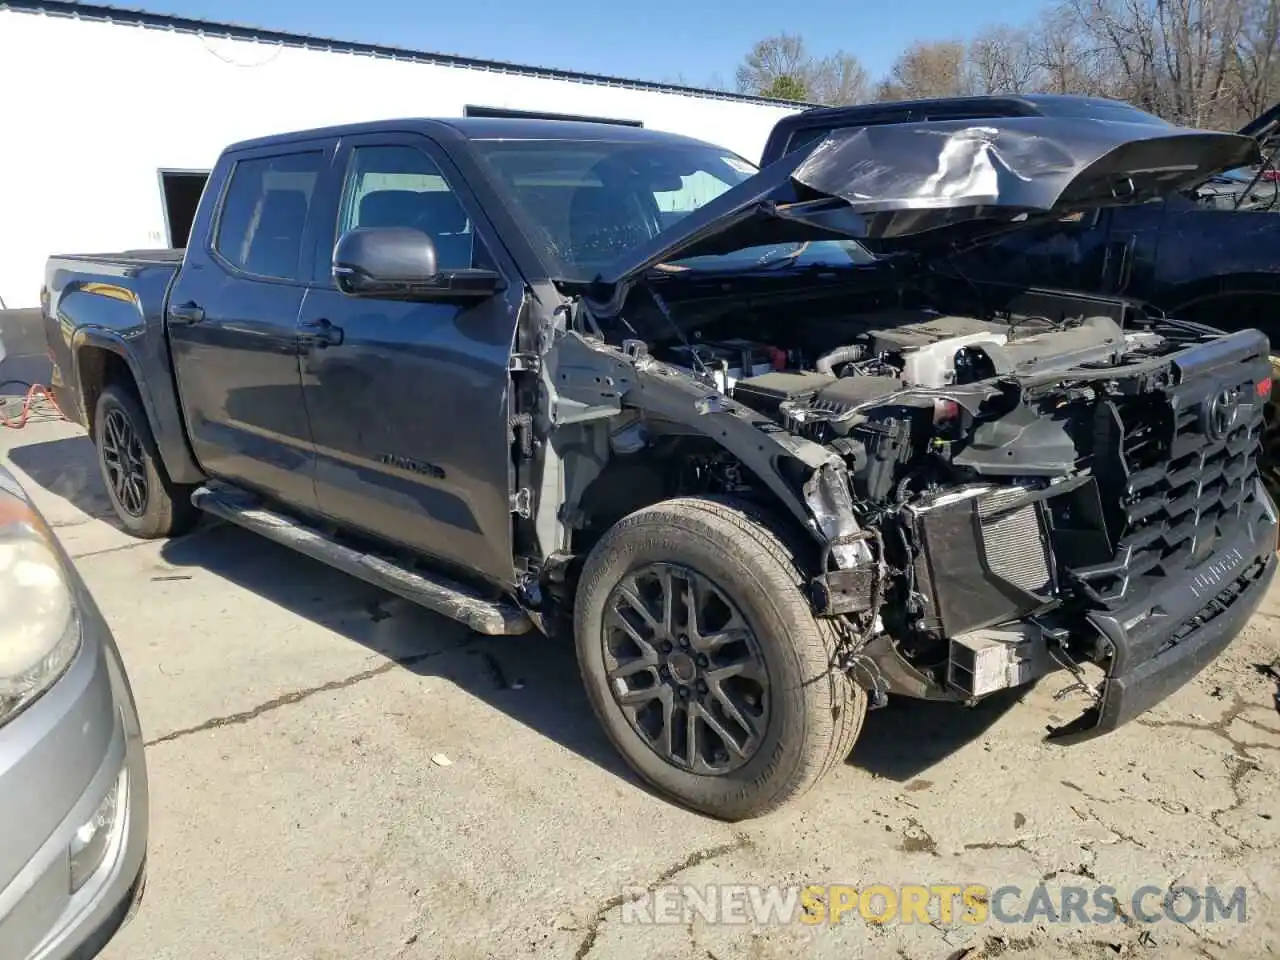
x=524 y=363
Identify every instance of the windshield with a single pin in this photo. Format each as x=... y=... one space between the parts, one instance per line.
x=589 y=202
x=1097 y=109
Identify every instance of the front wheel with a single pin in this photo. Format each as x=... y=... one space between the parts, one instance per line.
x=704 y=663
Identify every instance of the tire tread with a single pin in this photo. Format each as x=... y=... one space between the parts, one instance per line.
x=170 y=511
x=745 y=531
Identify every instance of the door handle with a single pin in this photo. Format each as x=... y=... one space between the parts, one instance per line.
x=320 y=333
x=186 y=313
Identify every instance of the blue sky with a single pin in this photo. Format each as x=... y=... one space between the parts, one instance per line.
x=657 y=40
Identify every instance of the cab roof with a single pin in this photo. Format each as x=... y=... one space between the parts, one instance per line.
x=480 y=128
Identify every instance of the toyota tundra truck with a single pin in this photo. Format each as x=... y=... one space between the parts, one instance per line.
x=731 y=429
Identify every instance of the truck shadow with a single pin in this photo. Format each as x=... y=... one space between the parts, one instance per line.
x=68 y=468
x=907 y=737
x=531 y=679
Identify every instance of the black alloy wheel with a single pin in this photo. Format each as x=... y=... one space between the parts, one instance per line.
x=686 y=669
x=123 y=457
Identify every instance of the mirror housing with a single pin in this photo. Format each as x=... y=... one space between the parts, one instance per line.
x=399 y=263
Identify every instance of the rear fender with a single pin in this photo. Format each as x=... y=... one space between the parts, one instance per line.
x=111 y=317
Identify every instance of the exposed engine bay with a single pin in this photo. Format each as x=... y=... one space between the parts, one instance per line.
x=991 y=464
x=913 y=383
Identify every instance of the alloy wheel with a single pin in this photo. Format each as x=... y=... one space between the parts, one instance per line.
x=685 y=669
x=126 y=469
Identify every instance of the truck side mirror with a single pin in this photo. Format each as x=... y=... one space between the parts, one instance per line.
x=399 y=263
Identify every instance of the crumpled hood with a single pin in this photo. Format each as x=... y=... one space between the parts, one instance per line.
x=918 y=184
x=1263 y=127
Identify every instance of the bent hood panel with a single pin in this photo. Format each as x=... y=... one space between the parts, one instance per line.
x=1263 y=127
x=935 y=180
x=914 y=178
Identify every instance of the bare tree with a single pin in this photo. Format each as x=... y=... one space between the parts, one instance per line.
x=783 y=55
x=716 y=82
x=838 y=79
x=1172 y=57
x=1256 y=58
x=935 y=69
x=1002 y=59
x=1066 y=55
x=1209 y=63
x=782 y=66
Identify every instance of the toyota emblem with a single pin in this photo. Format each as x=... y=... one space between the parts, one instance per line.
x=1221 y=415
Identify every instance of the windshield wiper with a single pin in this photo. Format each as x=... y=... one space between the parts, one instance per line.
x=791 y=256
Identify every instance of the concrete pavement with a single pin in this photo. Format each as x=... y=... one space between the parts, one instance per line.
x=293 y=715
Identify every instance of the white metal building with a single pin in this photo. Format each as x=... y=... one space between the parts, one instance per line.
x=113 y=117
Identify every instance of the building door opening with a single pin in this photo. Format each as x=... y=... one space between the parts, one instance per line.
x=180 y=191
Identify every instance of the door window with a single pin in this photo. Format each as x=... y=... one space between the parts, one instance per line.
x=400 y=186
x=264 y=213
x=695 y=189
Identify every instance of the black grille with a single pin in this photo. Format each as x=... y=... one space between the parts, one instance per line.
x=1219 y=605
x=1176 y=475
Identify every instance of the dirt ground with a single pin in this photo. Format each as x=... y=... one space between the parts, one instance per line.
x=337 y=774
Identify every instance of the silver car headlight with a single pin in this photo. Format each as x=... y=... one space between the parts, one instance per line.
x=39 y=625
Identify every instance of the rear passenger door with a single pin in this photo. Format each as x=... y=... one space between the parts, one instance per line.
x=232 y=321
x=408 y=401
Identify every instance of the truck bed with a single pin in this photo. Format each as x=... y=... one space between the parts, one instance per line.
x=133 y=258
x=107 y=308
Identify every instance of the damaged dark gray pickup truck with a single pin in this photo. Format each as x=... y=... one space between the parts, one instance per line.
x=731 y=427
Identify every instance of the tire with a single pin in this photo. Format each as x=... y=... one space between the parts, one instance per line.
x=150 y=505
x=810 y=715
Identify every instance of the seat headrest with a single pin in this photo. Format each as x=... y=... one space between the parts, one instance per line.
x=390 y=208
x=441 y=213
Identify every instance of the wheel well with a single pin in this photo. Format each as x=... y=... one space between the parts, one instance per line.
x=681 y=466
x=98 y=368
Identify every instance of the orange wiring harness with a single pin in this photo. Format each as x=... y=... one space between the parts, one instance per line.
x=36 y=401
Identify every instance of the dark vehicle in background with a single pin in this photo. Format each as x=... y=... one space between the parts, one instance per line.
x=726 y=426
x=1203 y=254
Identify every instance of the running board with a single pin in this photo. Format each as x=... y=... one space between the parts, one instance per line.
x=453 y=600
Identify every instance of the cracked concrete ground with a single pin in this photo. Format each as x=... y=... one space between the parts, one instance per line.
x=293 y=714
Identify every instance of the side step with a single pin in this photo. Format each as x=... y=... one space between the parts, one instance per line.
x=453 y=600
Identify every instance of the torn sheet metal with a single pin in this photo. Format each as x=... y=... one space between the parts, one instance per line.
x=829 y=499
x=911 y=179
x=918 y=177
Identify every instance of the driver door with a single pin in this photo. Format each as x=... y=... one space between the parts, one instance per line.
x=408 y=401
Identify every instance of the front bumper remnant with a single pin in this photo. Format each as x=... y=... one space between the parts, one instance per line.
x=1164 y=641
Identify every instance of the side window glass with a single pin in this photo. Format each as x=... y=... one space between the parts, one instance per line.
x=694 y=190
x=400 y=186
x=264 y=213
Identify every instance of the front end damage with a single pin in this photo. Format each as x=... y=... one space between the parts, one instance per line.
x=1140 y=561
x=991 y=494
x=1109 y=525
